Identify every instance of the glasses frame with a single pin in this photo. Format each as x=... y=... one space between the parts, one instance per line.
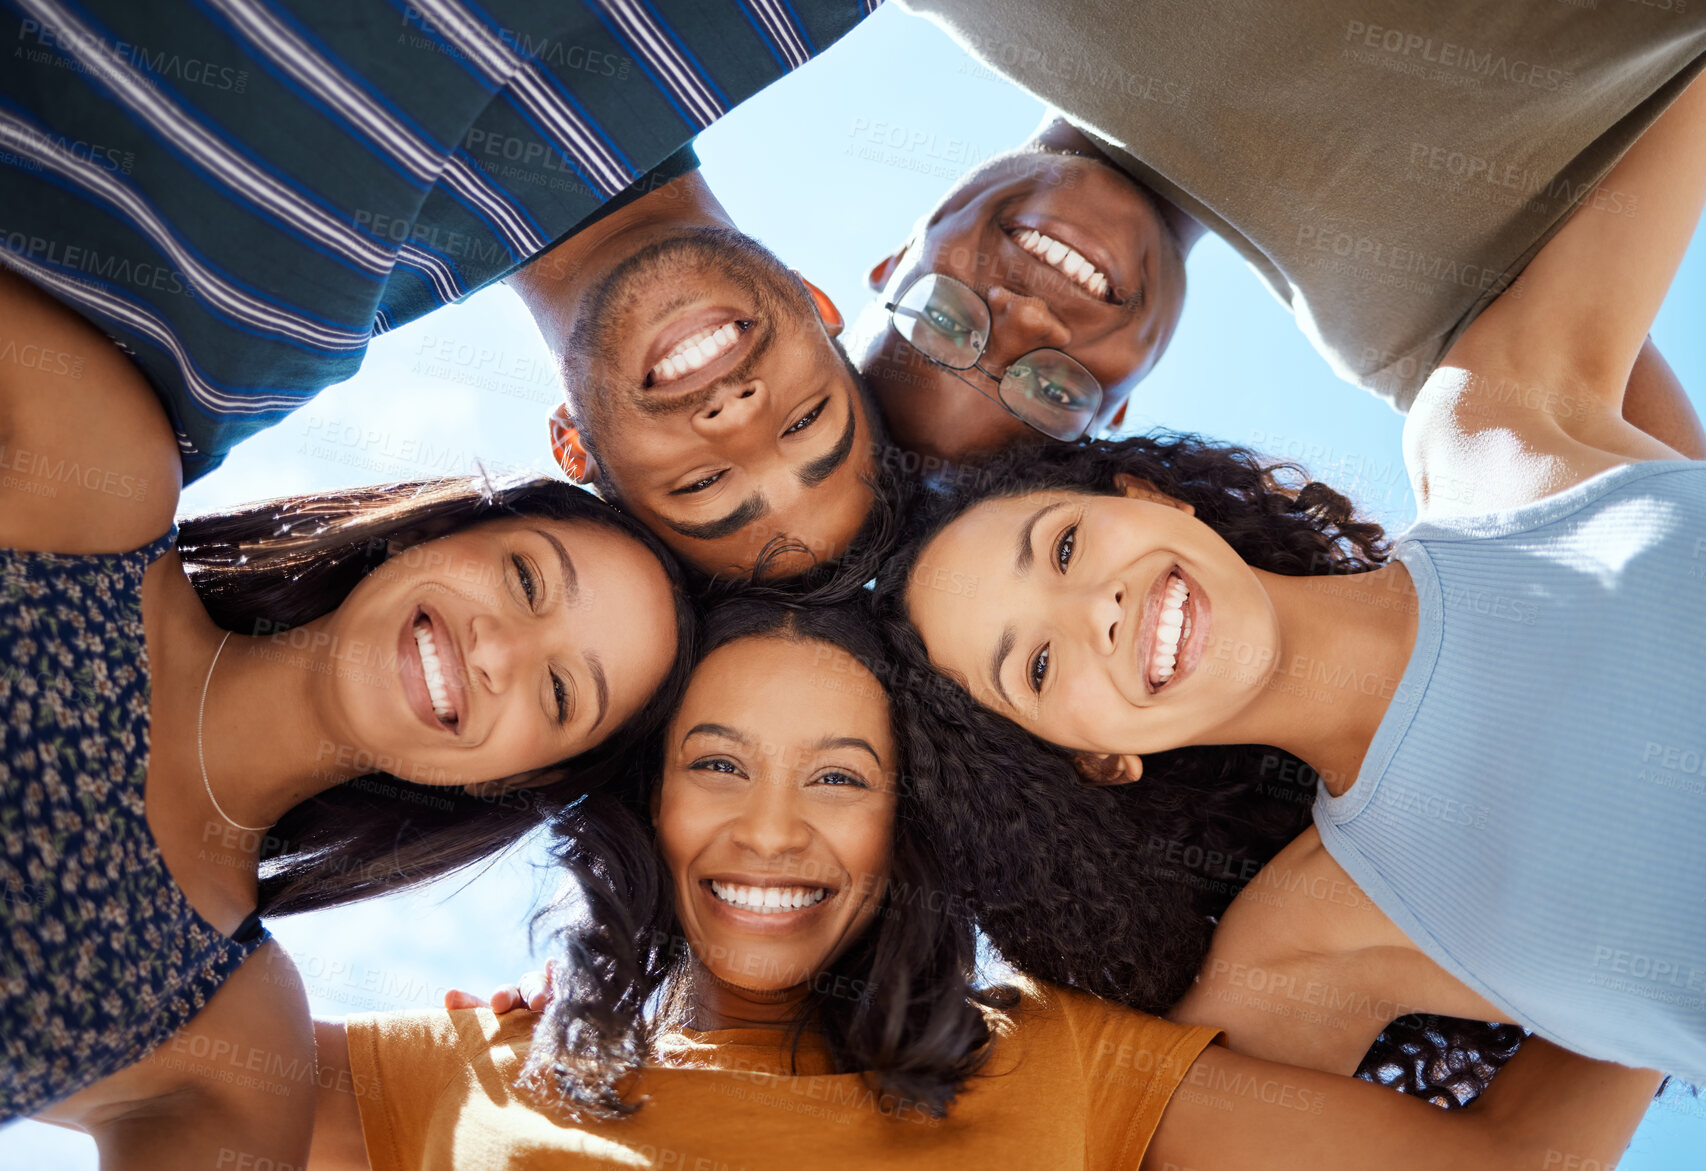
x=983 y=347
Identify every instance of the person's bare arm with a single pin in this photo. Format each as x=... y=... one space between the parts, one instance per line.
x=338 y=1143
x=1531 y=398
x=1304 y=968
x=88 y=461
x=1548 y=1108
x=1584 y=305
x=233 y=1087
x=1655 y=402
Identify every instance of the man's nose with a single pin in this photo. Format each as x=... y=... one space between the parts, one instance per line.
x=494 y=647
x=1018 y=325
x=735 y=407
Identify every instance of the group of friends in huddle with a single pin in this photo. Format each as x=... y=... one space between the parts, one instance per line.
x=810 y=728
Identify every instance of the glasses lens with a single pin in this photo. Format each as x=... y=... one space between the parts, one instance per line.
x=1052 y=393
x=943 y=319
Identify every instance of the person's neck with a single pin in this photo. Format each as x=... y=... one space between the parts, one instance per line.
x=553 y=286
x=720 y=1004
x=264 y=733
x=1061 y=135
x=1345 y=640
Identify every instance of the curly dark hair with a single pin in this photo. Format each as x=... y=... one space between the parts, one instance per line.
x=1116 y=890
x=272 y=565
x=901 y=1005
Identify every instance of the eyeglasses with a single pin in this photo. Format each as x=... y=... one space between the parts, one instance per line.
x=948 y=322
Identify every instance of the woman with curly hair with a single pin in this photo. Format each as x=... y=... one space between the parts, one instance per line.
x=1501 y=719
x=765 y=967
x=293 y=706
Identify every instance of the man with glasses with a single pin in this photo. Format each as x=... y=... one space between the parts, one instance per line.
x=1388 y=171
x=1044 y=284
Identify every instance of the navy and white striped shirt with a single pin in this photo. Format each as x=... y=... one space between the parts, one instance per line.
x=241 y=193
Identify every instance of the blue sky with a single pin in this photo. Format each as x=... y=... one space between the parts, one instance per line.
x=807 y=168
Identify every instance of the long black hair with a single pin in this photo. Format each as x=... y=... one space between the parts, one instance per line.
x=900 y=1005
x=1116 y=890
x=273 y=565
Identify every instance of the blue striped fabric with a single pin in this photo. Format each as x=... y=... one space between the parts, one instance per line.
x=241 y=193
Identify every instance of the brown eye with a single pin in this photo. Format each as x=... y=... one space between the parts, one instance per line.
x=1064 y=546
x=1039 y=670
x=808 y=419
x=698 y=485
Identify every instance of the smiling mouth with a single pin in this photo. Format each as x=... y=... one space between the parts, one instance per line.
x=432 y=671
x=1066 y=260
x=767 y=900
x=697 y=351
x=1172 y=632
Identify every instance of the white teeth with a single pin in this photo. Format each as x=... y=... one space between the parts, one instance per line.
x=1172 y=628
x=433 y=671
x=768 y=900
x=696 y=352
x=1065 y=259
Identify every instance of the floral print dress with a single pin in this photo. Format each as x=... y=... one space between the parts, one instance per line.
x=101 y=956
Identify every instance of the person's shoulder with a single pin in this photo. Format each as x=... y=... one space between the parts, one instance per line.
x=1045 y=1013
x=434 y=1033
x=88 y=459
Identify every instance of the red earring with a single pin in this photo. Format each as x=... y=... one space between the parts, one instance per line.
x=566 y=444
x=1118 y=421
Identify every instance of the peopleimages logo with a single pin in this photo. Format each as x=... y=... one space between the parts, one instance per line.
x=1489 y=64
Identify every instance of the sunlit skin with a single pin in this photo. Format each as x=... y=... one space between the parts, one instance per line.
x=1084 y=201
x=772 y=778
x=1061 y=638
x=550 y=634
x=345 y=695
x=768 y=440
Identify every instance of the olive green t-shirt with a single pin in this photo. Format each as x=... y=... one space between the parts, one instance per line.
x=1072 y=1081
x=1386 y=167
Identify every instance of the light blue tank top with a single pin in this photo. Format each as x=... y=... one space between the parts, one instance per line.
x=1532 y=810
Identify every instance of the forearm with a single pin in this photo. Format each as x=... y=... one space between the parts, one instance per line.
x=1655 y=402
x=1566 y=1109
x=338 y=1143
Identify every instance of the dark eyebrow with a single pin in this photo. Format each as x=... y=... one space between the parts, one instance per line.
x=600 y=685
x=1023 y=556
x=750 y=509
x=1003 y=648
x=723 y=730
x=823 y=467
x=847 y=742
x=571 y=580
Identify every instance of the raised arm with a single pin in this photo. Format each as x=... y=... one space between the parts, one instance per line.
x=234 y=1087
x=88 y=461
x=1547 y=1108
x=1531 y=398
x=1304 y=969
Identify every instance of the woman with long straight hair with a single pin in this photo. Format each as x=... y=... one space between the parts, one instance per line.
x=294 y=706
x=765 y=963
x=1503 y=716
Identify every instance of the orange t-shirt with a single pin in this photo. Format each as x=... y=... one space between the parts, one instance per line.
x=1072 y=1081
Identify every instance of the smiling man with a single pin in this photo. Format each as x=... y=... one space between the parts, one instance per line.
x=705 y=392
x=1065 y=277
x=241 y=194
x=1387 y=170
